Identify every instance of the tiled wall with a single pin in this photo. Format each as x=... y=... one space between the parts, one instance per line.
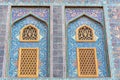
x=22 y=16
x=112 y=17
x=113 y=1
x=62 y=1
x=3 y=19
x=76 y=17
x=57 y=42
x=114 y=23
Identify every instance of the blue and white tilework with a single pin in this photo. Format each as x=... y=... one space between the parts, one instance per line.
x=72 y=45
x=95 y=13
x=114 y=23
x=16 y=44
x=18 y=12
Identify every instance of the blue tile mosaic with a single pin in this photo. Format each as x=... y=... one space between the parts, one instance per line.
x=95 y=13
x=18 y=12
x=114 y=23
x=72 y=45
x=16 y=44
x=112 y=14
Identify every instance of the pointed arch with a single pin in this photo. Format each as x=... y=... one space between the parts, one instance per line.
x=85 y=33
x=30 y=14
x=84 y=15
x=29 y=33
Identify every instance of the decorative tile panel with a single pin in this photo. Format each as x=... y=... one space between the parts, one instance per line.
x=114 y=23
x=19 y=12
x=113 y=14
x=99 y=44
x=112 y=17
x=95 y=13
x=16 y=44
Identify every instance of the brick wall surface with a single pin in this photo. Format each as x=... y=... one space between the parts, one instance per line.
x=57 y=42
x=3 y=19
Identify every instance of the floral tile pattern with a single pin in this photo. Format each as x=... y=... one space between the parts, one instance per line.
x=95 y=13
x=18 y=12
x=72 y=44
x=114 y=23
x=16 y=44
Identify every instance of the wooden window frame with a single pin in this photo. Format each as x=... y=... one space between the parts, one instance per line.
x=77 y=36
x=37 y=65
x=78 y=64
x=21 y=32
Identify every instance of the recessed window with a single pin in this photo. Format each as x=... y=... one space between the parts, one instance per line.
x=87 y=62
x=85 y=34
x=28 y=62
x=29 y=33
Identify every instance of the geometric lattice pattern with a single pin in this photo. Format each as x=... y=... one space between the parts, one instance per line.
x=87 y=62
x=84 y=34
x=29 y=34
x=28 y=62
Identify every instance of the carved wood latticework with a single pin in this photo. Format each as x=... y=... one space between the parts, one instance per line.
x=28 y=62
x=29 y=33
x=87 y=62
x=85 y=34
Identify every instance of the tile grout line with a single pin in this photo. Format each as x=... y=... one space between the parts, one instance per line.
x=6 y=43
x=63 y=38
x=51 y=41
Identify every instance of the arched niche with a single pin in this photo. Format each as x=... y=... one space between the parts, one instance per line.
x=85 y=33
x=41 y=28
x=99 y=42
x=29 y=33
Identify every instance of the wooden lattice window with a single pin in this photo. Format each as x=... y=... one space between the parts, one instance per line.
x=87 y=62
x=28 y=62
x=85 y=34
x=29 y=33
